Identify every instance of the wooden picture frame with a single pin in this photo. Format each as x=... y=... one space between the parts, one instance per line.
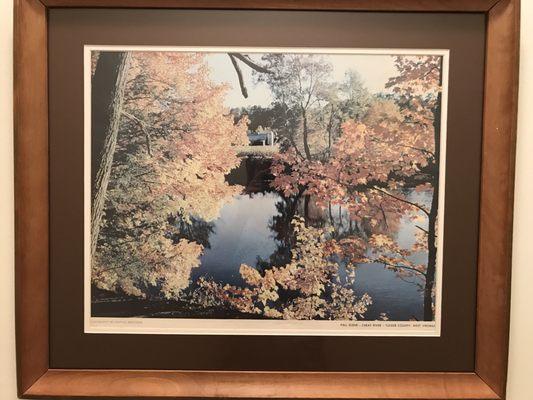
x=487 y=381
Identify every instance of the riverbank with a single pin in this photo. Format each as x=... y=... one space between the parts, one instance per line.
x=257 y=151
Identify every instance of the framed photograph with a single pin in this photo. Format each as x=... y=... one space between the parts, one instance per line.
x=275 y=199
x=288 y=223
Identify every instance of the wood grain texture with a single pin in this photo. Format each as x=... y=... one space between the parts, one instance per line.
x=278 y=385
x=497 y=188
x=357 y=5
x=31 y=191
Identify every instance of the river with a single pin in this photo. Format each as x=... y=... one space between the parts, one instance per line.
x=250 y=226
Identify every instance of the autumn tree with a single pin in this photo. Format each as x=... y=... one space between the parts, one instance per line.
x=173 y=151
x=339 y=102
x=308 y=287
x=419 y=88
x=257 y=116
x=390 y=149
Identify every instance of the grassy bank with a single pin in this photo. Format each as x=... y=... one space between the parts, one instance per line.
x=258 y=151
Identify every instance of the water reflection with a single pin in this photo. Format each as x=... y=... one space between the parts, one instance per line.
x=241 y=234
x=255 y=229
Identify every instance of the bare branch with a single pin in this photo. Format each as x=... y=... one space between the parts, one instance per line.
x=403 y=200
x=248 y=61
x=143 y=125
x=430 y=153
x=397 y=266
x=384 y=215
x=244 y=91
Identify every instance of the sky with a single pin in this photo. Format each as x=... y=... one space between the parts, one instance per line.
x=374 y=69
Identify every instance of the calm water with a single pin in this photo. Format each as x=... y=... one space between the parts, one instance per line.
x=246 y=232
x=240 y=235
x=254 y=228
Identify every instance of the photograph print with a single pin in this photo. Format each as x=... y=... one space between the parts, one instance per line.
x=256 y=191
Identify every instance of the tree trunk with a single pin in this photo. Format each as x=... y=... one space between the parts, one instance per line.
x=329 y=129
x=306 y=134
x=432 y=259
x=432 y=245
x=108 y=85
x=306 y=209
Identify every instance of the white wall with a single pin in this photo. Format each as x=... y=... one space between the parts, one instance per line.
x=521 y=352
x=7 y=312
x=520 y=378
